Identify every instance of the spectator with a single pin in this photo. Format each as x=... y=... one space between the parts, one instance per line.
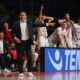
x=7 y=35
x=5 y=57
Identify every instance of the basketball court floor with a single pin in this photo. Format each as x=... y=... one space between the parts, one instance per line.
x=42 y=76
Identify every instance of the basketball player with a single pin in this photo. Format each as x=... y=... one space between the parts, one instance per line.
x=34 y=54
x=59 y=35
x=76 y=34
x=42 y=31
x=68 y=28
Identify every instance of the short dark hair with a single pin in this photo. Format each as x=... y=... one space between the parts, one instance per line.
x=66 y=14
x=23 y=12
x=5 y=22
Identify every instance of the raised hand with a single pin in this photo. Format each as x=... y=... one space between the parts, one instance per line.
x=42 y=7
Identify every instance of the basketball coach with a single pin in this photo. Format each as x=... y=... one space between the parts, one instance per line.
x=22 y=32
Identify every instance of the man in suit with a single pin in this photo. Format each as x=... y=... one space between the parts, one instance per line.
x=22 y=34
x=5 y=57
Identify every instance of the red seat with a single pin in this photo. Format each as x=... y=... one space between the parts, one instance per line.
x=14 y=53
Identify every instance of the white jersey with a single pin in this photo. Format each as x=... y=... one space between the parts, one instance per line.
x=76 y=33
x=69 y=35
x=54 y=38
x=42 y=37
x=42 y=31
x=69 y=30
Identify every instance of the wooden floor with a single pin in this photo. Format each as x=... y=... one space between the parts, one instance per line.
x=42 y=76
x=14 y=76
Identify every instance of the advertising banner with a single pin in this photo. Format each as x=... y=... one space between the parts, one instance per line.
x=57 y=60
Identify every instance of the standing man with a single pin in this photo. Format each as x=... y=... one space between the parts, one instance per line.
x=22 y=34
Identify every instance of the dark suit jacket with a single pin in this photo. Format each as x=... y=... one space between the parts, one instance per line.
x=5 y=47
x=16 y=30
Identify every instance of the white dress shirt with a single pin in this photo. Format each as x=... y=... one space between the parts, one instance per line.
x=24 y=30
x=1 y=47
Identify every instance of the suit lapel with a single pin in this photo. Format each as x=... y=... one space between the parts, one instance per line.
x=28 y=25
x=19 y=25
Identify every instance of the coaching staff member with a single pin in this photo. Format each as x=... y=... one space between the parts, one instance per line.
x=22 y=34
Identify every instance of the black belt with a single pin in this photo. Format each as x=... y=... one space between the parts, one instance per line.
x=24 y=40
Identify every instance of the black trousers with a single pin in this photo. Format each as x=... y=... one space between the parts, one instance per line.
x=24 y=45
x=5 y=61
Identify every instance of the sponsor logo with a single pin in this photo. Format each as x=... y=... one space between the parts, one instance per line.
x=62 y=59
x=57 y=66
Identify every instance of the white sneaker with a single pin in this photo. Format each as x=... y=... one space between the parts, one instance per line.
x=30 y=74
x=6 y=70
x=21 y=75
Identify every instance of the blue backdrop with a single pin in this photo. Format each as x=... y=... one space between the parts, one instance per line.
x=62 y=60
